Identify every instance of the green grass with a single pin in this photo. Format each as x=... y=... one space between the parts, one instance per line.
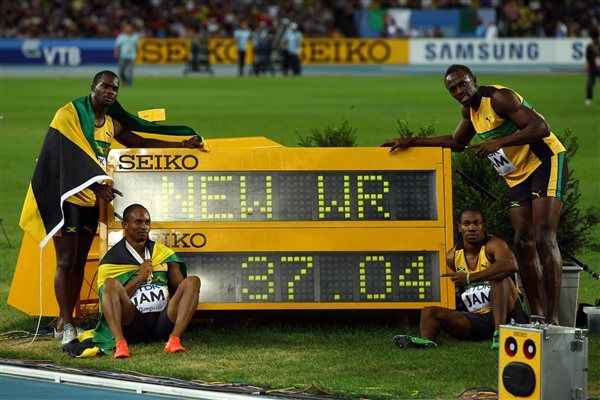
x=348 y=358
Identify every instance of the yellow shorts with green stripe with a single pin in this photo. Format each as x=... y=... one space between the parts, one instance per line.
x=548 y=180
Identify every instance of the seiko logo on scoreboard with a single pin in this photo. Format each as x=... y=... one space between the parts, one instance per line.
x=180 y=240
x=161 y=162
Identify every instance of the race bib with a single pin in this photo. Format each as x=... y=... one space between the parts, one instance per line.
x=150 y=298
x=477 y=298
x=501 y=162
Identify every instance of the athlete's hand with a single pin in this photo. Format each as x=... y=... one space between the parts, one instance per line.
x=194 y=143
x=145 y=270
x=483 y=149
x=105 y=192
x=459 y=278
x=398 y=143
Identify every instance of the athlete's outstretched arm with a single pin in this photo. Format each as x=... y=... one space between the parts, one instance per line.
x=532 y=126
x=133 y=141
x=457 y=142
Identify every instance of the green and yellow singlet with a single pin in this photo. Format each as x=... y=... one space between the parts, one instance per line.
x=514 y=163
x=483 y=263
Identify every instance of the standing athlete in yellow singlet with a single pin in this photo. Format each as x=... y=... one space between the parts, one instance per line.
x=521 y=147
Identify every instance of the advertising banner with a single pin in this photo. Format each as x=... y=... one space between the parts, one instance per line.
x=314 y=51
x=57 y=52
x=568 y=51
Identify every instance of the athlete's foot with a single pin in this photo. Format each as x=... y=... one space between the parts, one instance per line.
x=412 y=342
x=121 y=350
x=496 y=340
x=69 y=334
x=588 y=102
x=174 y=345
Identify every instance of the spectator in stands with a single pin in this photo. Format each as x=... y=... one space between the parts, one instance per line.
x=242 y=36
x=199 y=46
x=437 y=32
x=126 y=52
x=492 y=31
x=262 y=49
x=293 y=45
x=592 y=65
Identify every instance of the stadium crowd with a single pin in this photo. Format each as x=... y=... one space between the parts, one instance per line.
x=316 y=18
x=102 y=19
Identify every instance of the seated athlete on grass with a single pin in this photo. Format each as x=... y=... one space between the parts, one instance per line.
x=482 y=267
x=134 y=279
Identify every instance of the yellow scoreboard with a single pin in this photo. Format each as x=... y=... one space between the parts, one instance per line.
x=272 y=228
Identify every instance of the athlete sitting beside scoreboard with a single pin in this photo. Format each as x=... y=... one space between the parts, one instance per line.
x=482 y=268
x=134 y=278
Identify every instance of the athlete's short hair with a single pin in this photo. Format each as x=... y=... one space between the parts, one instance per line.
x=458 y=67
x=594 y=33
x=99 y=75
x=130 y=209
x=473 y=209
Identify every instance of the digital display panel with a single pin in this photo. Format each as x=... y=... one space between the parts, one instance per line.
x=316 y=276
x=282 y=196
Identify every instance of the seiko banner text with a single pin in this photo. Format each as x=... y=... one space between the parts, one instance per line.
x=314 y=51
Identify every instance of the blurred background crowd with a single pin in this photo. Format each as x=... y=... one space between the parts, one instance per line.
x=316 y=18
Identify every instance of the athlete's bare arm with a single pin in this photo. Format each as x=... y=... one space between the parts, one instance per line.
x=457 y=142
x=504 y=262
x=131 y=140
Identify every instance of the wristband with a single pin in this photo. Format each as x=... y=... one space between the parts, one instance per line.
x=468 y=278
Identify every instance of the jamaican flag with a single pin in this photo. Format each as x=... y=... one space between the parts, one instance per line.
x=120 y=264
x=68 y=163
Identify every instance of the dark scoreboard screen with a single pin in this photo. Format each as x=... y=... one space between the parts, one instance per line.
x=284 y=196
x=316 y=276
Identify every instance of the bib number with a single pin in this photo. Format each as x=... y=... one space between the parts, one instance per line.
x=477 y=298
x=150 y=298
x=502 y=163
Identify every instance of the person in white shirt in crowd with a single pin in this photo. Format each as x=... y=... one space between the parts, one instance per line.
x=126 y=52
x=242 y=36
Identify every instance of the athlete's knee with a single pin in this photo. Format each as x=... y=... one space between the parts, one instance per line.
x=192 y=282
x=65 y=261
x=430 y=313
x=545 y=239
x=524 y=242
x=111 y=286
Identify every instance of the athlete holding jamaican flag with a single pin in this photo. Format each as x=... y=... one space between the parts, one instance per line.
x=143 y=291
x=70 y=178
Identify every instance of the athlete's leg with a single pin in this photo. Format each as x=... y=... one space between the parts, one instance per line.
x=527 y=256
x=182 y=306
x=546 y=215
x=434 y=319
x=77 y=272
x=66 y=255
x=503 y=297
x=117 y=308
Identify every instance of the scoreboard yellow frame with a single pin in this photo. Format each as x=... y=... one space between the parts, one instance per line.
x=229 y=237
x=298 y=236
